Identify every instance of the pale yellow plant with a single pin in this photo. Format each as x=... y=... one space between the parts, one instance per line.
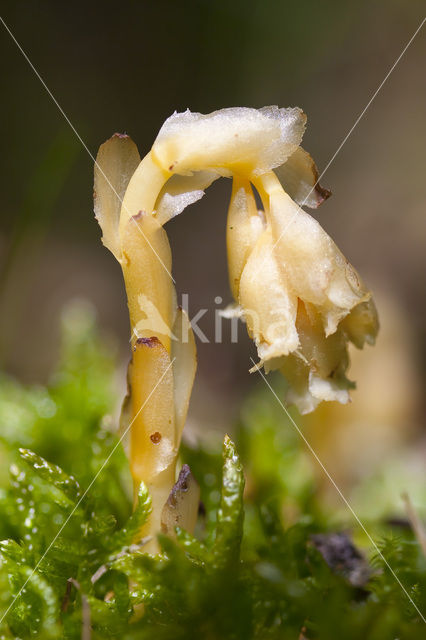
x=300 y=298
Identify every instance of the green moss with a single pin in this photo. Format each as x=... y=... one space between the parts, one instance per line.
x=68 y=565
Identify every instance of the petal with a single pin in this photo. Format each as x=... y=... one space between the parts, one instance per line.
x=244 y=226
x=296 y=372
x=143 y=189
x=326 y=355
x=233 y=310
x=181 y=191
x=317 y=271
x=299 y=177
x=242 y=140
x=316 y=372
x=327 y=390
x=116 y=162
x=269 y=307
x=362 y=324
x=306 y=390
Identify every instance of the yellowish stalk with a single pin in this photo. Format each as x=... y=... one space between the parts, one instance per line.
x=146 y=263
x=143 y=189
x=243 y=227
x=162 y=370
x=153 y=450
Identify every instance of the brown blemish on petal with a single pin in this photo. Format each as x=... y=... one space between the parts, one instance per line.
x=155 y=437
x=333 y=371
x=138 y=215
x=321 y=193
x=172 y=166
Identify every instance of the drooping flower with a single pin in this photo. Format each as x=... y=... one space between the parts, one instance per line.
x=300 y=298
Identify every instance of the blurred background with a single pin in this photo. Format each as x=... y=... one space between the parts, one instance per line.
x=126 y=67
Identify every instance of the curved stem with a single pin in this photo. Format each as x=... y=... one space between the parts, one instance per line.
x=267 y=184
x=143 y=189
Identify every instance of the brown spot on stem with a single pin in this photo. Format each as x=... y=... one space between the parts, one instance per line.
x=155 y=437
x=147 y=342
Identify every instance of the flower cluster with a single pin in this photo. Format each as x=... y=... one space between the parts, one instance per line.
x=301 y=299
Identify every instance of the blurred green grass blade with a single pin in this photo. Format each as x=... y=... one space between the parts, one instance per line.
x=229 y=530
